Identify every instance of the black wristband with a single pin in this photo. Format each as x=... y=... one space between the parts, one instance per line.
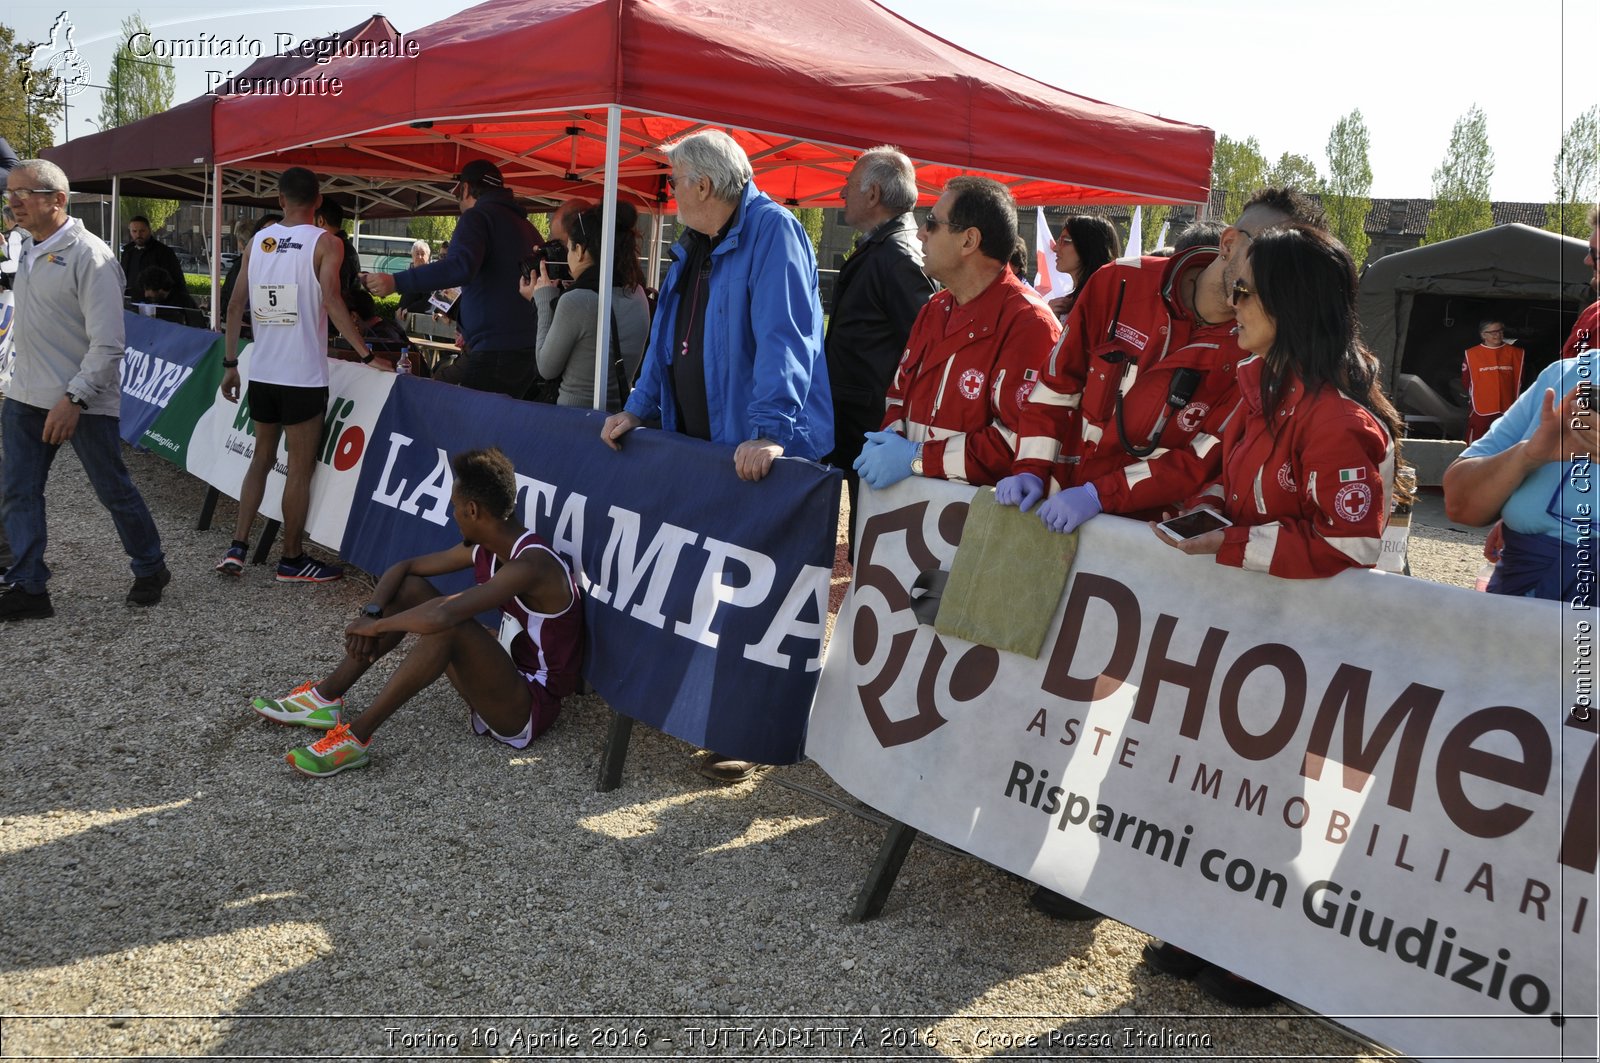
x=232 y=363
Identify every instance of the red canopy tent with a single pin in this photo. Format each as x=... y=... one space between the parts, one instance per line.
x=804 y=85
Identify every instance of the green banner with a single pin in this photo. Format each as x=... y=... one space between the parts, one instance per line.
x=169 y=435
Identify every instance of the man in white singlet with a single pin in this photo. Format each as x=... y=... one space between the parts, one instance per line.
x=289 y=281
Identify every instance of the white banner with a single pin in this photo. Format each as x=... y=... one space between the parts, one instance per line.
x=1369 y=793
x=224 y=440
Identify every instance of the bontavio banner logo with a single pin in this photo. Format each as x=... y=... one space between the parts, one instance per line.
x=160 y=357
x=706 y=596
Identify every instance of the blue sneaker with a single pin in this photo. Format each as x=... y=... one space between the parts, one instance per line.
x=305 y=569
x=232 y=563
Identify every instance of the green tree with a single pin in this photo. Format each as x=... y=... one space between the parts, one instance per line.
x=1346 y=194
x=437 y=230
x=25 y=116
x=1153 y=218
x=811 y=221
x=137 y=87
x=1294 y=171
x=1238 y=168
x=1576 y=177
x=1461 y=183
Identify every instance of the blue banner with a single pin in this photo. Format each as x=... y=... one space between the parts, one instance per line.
x=159 y=359
x=706 y=596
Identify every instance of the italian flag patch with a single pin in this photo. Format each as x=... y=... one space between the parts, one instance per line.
x=1346 y=475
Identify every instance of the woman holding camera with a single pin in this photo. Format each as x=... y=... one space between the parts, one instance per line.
x=1307 y=460
x=566 y=338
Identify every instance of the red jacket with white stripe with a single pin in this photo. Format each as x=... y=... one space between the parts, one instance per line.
x=1070 y=425
x=964 y=376
x=1585 y=332
x=1309 y=495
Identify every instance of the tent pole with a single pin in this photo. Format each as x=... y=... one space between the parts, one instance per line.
x=116 y=211
x=608 y=256
x=655 y=248
x=216 y=242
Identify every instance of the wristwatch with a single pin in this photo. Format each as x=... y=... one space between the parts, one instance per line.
x=372 y=610
x=82 y=404
x=367 y=358
x=916 y=461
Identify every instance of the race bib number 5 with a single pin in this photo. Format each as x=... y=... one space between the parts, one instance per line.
x=275 y=304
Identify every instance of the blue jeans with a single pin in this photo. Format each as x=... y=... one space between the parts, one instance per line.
x=98 y=444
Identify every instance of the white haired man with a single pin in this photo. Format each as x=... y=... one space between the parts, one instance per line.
x=755 y=380
x=879 y=292
x=67 y=388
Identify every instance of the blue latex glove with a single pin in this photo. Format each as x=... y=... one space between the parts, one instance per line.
x=1070 y=508
x=1022 y=490
x=886 y=459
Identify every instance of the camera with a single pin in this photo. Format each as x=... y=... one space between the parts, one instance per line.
x=554 y=257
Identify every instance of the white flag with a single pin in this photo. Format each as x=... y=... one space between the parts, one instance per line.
x=1047 y=280
x=1135 y=235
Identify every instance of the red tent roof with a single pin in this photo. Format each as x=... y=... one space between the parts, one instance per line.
x=805 y=85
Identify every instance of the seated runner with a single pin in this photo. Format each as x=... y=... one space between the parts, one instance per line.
x=512 y=685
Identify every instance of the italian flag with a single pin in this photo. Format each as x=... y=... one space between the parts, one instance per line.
x=1346 y=475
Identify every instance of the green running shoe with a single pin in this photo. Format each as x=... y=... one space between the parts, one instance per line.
x=330 y=754
x=303 y=706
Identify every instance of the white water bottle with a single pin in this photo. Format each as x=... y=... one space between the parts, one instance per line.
x=404 y=364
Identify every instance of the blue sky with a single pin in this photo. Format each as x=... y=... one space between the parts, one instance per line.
x=1280 y=70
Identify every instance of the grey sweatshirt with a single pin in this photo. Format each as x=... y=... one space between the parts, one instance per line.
x=69 y=334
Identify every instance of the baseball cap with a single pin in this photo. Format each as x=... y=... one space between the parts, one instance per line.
x=481 y=172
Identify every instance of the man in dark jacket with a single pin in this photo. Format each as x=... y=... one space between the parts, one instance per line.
x=141 y=252
x=490 y=242
x=876 y=297
x=171 y=298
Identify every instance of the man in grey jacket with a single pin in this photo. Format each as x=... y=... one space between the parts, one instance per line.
x=67 y=387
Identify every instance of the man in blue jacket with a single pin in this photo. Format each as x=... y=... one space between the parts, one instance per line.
x=735 y=353
x=486 y=252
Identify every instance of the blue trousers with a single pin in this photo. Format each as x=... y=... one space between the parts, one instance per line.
x=98 y=444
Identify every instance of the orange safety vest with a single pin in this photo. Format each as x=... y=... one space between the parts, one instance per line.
x=1492 y=377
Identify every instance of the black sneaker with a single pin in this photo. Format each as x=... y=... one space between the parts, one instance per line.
x=1170 y=959
x=1049 y=902
x=146 y=590
x=1228 y=988
x=18 y=604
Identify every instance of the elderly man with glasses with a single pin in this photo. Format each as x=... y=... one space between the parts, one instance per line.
x=67 y=388
x=735 y=351
x=976 y=348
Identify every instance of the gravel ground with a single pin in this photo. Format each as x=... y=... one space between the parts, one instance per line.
x=173 y=889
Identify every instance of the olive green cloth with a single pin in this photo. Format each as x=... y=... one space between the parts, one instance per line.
x=1006 y=579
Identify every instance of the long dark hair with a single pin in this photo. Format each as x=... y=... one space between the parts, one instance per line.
x=1095 y=240
x=587 y=229
x=1306 y=281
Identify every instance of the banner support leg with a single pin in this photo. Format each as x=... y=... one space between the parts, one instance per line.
x=891 y=854
x=208 y=509
x=269 y=535
x=616 y=752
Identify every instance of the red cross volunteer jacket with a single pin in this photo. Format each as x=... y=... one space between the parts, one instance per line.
x=965 y=375
x=1309 y=494
x=1129 y=337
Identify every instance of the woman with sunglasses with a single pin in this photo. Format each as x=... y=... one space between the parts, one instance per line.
x=567 y=334
x=1305 y=467
x=1086 y=243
